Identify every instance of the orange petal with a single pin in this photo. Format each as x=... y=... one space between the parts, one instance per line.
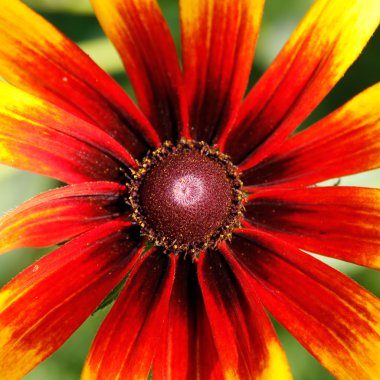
x=130 y=333
x=345 y=142
x=60 y=214
x=319 y=52
x=39 y=137
x=218 y=42
x=340 y=222
x=334 y=318
x=47 y=302
x=187 y=349
x=244 y=337
x=141 y=35
x=37 y=58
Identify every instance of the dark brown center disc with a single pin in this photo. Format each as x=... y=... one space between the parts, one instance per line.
x=186 y=198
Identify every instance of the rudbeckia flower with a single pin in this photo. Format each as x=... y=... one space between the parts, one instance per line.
x=201 y=197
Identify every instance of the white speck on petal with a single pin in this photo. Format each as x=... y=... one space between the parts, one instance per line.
x=36 y=268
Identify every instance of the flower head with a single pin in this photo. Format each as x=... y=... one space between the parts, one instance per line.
x=199 y=195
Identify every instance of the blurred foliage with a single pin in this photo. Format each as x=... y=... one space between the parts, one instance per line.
x=76 y=20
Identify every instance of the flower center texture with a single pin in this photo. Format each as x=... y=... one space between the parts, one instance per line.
x=186 y=197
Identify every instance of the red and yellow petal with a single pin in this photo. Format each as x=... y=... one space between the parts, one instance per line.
x=187 y=349
x=208 y=365
x=333 y=317
x=340 y=222
x=319 y=52
x=36 y=57
x=37 y=136
x=218 y=42
x=244 y=337
x=345 y=142
x=47 y=302
x=141 y=35
x=60 y=214
x=130 y=333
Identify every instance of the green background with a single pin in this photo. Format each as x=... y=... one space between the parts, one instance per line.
x=76 y=19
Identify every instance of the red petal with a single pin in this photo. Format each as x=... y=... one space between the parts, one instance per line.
x=345 y=142
x=208 y=364
x=142 y=37
x=333 y=317
x=186 y=350
x=130 y=333
x=39 y=137
x=319 y=52
x=46 y=303
x=218 y=41
x=246 y=342
x=31 y=48
x=60 y=214
x=341 y=222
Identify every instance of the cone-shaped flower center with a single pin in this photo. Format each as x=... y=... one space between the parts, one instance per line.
x=186 y=197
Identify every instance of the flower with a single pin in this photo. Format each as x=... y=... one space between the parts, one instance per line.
x=199 y=196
